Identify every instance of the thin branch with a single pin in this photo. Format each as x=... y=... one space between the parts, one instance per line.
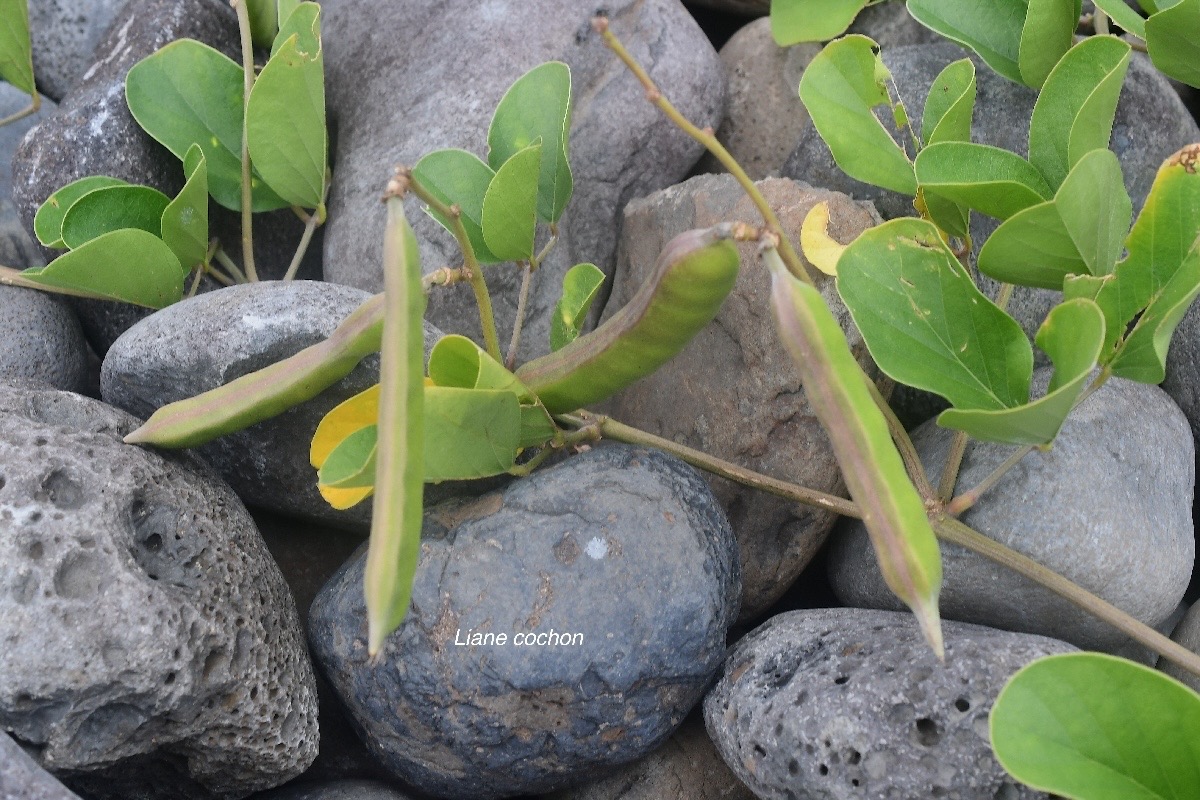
x=243 y=15
x=445 y=276
x=519 y=323
x=222 y=258
x=908 y=452
x=970 y=497
x=34 y=104
x=309 y=228
x=954 y=531
x=706 y=138
x=196 y=281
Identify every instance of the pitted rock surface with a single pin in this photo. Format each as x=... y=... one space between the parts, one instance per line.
x=621 y=147
x=849 y=704
x=734 y=390
x=43 y=342
x=64 y=34
x=337 y=790
x=146 y=637
x=624 y=547
x=18 y=248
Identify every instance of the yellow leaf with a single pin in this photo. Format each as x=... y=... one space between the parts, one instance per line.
x=354 y=414
x=341 y=499
x=821 y=249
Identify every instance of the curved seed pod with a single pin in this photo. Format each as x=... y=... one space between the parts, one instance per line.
x=269 y=391
x=692 y=277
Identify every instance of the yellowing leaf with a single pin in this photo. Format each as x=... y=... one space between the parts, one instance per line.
x=354 y=414
x=342 y=499
x=821 y=249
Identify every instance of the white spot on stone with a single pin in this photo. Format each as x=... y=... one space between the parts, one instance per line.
x=597 y=548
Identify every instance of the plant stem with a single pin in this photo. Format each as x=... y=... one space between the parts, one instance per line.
x=908 y=452
x=526 y=469
x=200 y=268
x=540 y=257
x=970 y=497
x=522 y=299
x=624 y=433
x=1100 y=23
x=13 y=277
x=32 y=108
x=225 y=261
x=710 y=142
x=309 y=228
x=446 y=276
x=243 y=15
x=955 y=532
x=483 y=299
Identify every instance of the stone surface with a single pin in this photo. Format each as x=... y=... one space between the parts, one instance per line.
x=17 y=247
x=734 y=391
x=755 y=7
x=167 y=649
x=1109 y=507
x=1186 y=633
x=43 y=341
x=686 y=767
x=93 y=133
x=622 y=547
x=848 y=704
x=22 y=779
x=339 y=790
x=211 y=339
x=64 y=34
x=1151 y=123
x=621 y=147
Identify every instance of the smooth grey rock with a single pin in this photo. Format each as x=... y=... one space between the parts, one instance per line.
x=621 y=147
x=339 y=790
x=623 y=547
x=17 y=247
x=43 y=341
x=64 y=34
x=848 y=704
x=147 y=639
x=1151 y=123
x=93 y=133
x=734 y=390
x=22 y=779
x=1109 y=507
x=687 y=767
x=211 y=339
x=1186 y=633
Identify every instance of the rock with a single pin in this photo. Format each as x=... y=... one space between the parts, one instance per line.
x=687 y=767
x=340 y=790
x=1109 y=507
x=93 y=133
x=44 y=341
x=734 y=391
x=17 y=248
x=1151 y=123
x=637 y=572
x=64 y=34
x=621 y=147
x=22 y=779
x=753 y=7
x=211 y=339
x=835 y=704
x=1186 y=633
x=166 y=649
x=764 y=114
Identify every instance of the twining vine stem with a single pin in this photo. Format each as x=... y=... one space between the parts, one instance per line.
x=243 y=15
x=32 y=108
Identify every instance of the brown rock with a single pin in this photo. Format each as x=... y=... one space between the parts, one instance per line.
x=734 y=391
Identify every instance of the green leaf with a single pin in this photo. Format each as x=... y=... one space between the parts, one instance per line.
x=1074 y=112
x=795 y=21
x=351 y=465
x=950 y=104
x=988 y=179
x=110 y=209
x=1143 y=355
x=510 y=207
x=1031 y=248
x=1124 y=16
x=537 y=107
x=581 y=284
x=185 y=219
x=188 y=93
x=839 y=88
x=48 y=221
x=1173 y=41
x=1096 y=727
x=284 y=10
x=992 y=29
x=264 y=21
x=1072 y=336
x=16 y=51
x=926 y=324
x=306 y=26
x=286 y=116
x=456 y=177
x=130 y=266
x=477 y=432
x=875 y=475
x=1048 y=32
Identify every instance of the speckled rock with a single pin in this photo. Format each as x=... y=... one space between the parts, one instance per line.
x=43 y=340
x=621 y=146
x=734 y=391
x=93 y=133
x=17 y=248
x=208 y=341
x=847 y=704
x=1186 y=633
x=64 y=34
x=687 y=767
x=622 y=550
x=167 y=650
x=339 y=790
x=22 y=779
x=1109 y=507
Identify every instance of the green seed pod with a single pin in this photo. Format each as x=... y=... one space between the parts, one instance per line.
x=691 y=279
